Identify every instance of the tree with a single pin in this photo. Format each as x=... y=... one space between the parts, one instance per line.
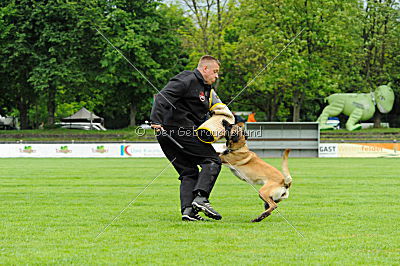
x=306 y=70
x=380 y=21
x=55 y=61
x=204 y=33
x=16 y=56
x=61 y=51
x=45 y=48
x=145 y=32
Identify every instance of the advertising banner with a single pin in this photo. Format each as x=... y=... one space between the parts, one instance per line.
x=328 y=150
x=111 y=150
x=143 y=150
x=359 y=150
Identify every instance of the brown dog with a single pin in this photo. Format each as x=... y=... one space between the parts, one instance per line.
x=246 y=165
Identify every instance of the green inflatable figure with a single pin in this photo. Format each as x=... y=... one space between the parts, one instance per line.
x=357 y=106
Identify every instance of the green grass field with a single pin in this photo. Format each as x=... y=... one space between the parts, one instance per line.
x=52 y=210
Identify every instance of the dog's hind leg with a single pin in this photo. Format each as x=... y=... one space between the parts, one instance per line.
x=272 y=206
x=264 y=195
x=266 y=205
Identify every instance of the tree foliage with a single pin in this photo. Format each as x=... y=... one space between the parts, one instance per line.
x=53 y=61
x=330 y=55
x=145 y=34
x=56 y=62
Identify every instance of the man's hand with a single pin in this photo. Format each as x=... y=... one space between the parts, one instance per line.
x=156 y=127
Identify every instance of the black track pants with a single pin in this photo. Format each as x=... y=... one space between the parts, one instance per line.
x=187 y=161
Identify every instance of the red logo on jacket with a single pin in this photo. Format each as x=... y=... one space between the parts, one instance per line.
x=202 y=96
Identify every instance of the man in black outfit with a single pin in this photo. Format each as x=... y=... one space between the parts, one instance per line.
x=178 y=110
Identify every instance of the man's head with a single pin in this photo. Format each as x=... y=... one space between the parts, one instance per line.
x=209 y=68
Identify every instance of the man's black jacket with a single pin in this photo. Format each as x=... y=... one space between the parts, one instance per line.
x=184 y=101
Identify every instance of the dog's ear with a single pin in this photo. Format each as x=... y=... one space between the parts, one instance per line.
x=227 y=127
x=227 y=134
x=240 y=124
x=226 y=124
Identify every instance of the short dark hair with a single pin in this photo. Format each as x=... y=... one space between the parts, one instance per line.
x=208 y=58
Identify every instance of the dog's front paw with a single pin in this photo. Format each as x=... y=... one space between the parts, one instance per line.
x=256 y=220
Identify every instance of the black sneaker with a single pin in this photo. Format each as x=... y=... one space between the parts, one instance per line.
x=191 y=215
x=201 y=204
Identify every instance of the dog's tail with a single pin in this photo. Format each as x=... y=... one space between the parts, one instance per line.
x=285 y=168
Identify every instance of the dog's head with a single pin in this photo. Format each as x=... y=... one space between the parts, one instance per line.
x=235 y=135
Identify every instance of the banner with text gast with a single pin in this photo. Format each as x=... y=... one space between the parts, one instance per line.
x=359 y=150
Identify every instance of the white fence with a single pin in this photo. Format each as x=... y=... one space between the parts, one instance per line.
x=270 y=139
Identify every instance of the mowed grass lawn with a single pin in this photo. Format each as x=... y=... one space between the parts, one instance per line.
x=52 y=210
